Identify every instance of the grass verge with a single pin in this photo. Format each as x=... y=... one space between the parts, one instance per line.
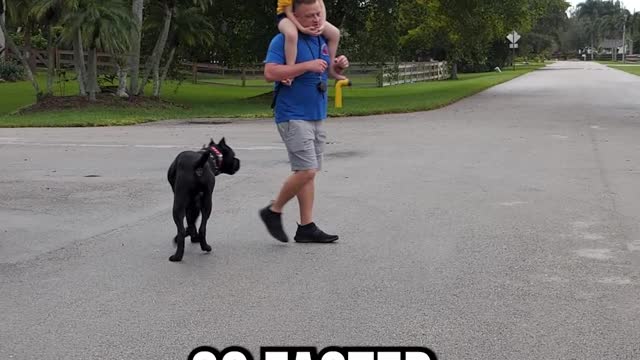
x=219 y=101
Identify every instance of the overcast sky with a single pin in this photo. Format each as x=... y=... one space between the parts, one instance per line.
x=629 y=4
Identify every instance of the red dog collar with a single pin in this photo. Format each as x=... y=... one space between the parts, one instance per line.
x=218 y=156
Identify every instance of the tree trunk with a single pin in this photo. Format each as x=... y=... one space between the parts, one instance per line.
x=51 y=62
x=78 y=57
x=28 y=50
x=23 y=61
x=3 y=46
x=156 y=79
x=136 y=36
x=244 y=77
x=157 y=50
x=93 y=74
x=454 y=71
x=122 y=82
x=172 y=53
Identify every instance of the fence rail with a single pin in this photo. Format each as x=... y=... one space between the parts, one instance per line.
x=404 y=73
x=366 y=74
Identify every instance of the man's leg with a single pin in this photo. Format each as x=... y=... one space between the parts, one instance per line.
x=298 y=138
x=305 y=202
x=308 y=231
x=272 y=214
x=292 y=187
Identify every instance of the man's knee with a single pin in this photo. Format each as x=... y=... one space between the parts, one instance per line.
x=307 y=175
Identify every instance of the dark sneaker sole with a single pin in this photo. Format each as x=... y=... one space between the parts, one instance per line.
x=280 y=237
x=308 y=241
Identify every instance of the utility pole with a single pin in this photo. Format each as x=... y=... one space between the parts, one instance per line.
x=624 y=32
x=514 y=51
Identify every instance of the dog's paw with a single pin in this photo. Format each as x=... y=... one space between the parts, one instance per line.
x=174 y=258
x=206 y=248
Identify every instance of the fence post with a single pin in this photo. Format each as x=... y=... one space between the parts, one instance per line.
x=194 y=71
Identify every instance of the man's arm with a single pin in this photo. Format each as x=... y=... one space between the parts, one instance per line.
x=279 y=72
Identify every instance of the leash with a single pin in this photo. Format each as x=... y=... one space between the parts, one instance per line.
x=275 y=95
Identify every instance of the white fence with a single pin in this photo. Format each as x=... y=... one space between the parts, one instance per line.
x=412 y=72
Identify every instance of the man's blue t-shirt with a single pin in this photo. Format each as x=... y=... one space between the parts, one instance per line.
x=301 y=100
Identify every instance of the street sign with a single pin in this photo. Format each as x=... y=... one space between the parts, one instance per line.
x=513 y=37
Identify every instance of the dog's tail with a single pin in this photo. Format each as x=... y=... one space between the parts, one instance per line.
x=203 y=159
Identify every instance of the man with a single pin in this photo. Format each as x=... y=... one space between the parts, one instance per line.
x=300 y=111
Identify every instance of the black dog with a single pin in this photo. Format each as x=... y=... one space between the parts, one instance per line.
x=192 y=176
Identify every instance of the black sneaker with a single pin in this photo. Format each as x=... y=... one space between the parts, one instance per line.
x=310 y=233
x=273 y=221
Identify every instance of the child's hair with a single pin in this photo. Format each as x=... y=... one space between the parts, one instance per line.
x=300 y=2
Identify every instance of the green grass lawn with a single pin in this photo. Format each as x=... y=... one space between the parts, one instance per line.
x=635 y=70
x=220 y=101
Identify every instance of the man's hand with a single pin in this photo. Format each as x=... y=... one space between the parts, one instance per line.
x=317 y=66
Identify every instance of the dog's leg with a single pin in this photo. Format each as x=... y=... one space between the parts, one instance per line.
x=206 y=212
x=171 y=175
x=179 y=204
x=192 y=216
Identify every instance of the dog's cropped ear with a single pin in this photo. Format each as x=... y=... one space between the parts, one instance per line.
x=223 y=142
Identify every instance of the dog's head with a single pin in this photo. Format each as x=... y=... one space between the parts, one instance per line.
x=224 y=157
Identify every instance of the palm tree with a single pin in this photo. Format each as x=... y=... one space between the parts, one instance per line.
x=136 y=35
x=169 y=10
x=104 y=26
x=189 y=28
x=22 y=18
x=602 y=18
x=50 y=12
x=14 y=49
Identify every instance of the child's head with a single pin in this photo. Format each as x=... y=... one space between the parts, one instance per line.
x=297 y=3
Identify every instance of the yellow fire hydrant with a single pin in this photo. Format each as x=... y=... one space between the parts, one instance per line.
x=339 y=85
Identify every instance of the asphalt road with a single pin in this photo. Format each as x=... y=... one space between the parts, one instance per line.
x=505 y=226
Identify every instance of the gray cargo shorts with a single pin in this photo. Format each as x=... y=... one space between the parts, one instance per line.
x=305 y=142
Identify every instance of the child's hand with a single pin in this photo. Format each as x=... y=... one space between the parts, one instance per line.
x=311 y=31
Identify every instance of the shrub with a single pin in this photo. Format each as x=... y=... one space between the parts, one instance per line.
x=10 y=71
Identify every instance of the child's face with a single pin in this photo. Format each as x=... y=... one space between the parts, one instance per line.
x=309 y=15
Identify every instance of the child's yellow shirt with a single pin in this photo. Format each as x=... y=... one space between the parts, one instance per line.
x=282 y=4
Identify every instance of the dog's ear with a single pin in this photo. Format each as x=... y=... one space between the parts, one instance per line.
x=223 y=142
x=211 y=142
